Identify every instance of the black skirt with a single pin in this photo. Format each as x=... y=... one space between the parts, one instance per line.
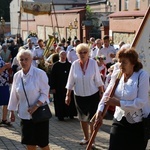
x=35 y=133
x=87 y=106
x=126 y=136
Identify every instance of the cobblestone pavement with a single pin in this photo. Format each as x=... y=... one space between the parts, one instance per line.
x=64 y=135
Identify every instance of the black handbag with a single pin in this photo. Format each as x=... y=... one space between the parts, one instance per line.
x=43 y=112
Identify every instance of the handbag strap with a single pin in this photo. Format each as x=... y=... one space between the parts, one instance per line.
x=25 y=92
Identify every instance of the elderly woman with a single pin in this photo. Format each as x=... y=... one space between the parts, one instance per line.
x=85 y=79
x=4 y=90
x=35 y=82
x=131 y=101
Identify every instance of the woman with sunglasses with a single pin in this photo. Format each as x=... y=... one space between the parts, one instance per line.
x=85 y=80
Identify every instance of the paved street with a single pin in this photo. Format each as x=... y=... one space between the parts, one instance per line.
x=64 y=135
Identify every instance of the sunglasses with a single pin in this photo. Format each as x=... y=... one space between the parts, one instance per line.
x=25 y=59
x=82 y=53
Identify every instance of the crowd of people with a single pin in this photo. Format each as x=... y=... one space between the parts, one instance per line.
x=80 y=76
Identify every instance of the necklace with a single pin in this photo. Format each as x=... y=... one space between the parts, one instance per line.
x=84 y=67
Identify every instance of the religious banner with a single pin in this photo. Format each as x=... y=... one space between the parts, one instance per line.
x=141 y=41
x=36 y=8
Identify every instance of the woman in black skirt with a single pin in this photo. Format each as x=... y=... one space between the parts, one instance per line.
x=131 y=101
x=85 y=80
x=35 y=83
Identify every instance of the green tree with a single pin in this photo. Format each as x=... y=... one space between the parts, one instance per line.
x=4 y=9
x=89 y=13
x=91 y=16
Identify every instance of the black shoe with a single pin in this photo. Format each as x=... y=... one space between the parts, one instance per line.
x=60 y=118
x=5 y=122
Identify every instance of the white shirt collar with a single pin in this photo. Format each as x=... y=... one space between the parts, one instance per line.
x=29 y=73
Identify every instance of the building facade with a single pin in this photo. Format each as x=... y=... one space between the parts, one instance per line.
x=57 y=23
x=124 y=24
x=124 y=17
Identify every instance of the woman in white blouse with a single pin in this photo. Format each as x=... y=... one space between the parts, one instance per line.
x=84 y=78
x=36 y=86
x=131 y=101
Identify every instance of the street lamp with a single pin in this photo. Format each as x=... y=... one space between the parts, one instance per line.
x=2 y=25
x=70 y=28
x=76 y=24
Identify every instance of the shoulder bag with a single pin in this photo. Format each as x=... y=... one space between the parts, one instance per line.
x=42 y=113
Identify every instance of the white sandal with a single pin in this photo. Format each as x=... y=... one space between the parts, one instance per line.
x=84 y=142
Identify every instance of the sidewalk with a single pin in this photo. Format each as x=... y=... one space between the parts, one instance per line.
x=64 y=135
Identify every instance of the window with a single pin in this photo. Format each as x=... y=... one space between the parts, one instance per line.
x=126 y=5
x=137 y=5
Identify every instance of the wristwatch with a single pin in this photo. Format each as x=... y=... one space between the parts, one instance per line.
x=37 y=105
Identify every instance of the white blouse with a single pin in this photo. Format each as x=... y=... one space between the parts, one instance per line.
x=106 y=51
x=36 y=86
x=133 y=95
x=84 y=85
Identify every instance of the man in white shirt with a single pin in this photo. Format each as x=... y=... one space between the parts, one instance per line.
x=72 y=56
x=108 y=51
x=30 y=47
x=26 y=46
x=38 y=52
x=98 y=46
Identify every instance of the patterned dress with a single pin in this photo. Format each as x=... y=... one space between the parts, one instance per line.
x=4 y=85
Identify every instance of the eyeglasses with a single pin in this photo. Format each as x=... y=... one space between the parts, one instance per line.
x=25 y=59
x=82 y=53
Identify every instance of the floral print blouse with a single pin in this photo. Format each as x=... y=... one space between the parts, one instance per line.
x=4 y=77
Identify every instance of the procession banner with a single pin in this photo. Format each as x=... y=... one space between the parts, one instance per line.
x=141 y=41
x=36 y=8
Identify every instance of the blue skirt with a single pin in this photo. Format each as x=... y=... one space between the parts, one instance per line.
x=4 y=95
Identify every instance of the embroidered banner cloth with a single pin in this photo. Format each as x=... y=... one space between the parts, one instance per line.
x=36 y=8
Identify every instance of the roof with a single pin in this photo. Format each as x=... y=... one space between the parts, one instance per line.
x=127 y=14
x=95 y=2
x=62 y=2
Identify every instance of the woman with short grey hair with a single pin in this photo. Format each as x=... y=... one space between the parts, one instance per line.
x=35 y=83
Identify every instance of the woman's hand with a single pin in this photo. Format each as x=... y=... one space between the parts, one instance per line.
x=32 y=109
x=12 y=116
x=68 y=99
x=7 y=65
x=98 y=119
x=113 y=101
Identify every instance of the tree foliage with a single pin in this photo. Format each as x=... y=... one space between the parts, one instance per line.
x=91 y=16
x=89 y=13
x=4 y=9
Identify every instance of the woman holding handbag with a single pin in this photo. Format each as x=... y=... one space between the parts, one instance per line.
x=35 y=83
x=131 y=101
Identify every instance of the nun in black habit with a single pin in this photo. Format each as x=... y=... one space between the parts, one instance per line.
x=59 y=76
